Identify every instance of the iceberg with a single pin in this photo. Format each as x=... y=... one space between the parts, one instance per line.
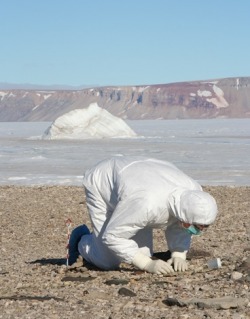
x=91 y=122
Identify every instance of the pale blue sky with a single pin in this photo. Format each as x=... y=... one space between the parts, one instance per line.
x=123 y=42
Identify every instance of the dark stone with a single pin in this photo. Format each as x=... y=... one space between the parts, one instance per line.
x=226 y=302
x=81 y=279
x=116 y=282
x=38 y=298
x=174 y=302
x=126 y=292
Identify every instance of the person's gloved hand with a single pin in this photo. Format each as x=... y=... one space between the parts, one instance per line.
x=178 y=263
x=178 y=260
x=158 y=266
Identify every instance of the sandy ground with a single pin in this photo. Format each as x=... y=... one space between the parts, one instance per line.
x=35 y=283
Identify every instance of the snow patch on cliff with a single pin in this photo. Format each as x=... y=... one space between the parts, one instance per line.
x=35 y=107
x=92 y=122
x=204 y=93
x=140 y=89
x=219 y=101
x=2 y=94
x=46 y=96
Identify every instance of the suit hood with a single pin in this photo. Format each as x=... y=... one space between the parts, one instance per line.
x=193 y=206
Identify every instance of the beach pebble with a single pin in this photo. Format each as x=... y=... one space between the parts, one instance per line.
x=126 y=292
x=236 y=275
x=35 y=282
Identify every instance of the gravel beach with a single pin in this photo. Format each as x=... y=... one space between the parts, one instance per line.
x=35 y=282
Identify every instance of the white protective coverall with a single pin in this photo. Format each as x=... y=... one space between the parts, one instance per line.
x=129 y=196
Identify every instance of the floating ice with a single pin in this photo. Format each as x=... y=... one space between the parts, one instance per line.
x=92 y=122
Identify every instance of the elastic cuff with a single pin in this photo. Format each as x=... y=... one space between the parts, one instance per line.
x=141 y=261
x=182 y=255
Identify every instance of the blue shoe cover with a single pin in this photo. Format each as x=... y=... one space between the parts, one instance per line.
x=75 y=237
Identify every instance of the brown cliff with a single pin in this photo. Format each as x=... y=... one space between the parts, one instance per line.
x=228 y=98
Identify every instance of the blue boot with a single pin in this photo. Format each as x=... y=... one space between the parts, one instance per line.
x=74 y=239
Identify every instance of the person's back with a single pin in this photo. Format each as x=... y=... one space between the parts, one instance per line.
x=124 y=175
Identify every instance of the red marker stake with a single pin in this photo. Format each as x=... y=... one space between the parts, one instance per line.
x=68 y=224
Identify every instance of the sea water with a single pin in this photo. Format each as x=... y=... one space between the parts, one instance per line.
x=213 y=152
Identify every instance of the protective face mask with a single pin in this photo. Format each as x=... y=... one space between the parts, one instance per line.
x=192 y=230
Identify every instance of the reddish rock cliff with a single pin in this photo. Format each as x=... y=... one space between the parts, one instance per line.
x=229 y=98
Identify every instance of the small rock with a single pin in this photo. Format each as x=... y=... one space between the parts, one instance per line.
x=245 y=266
x=116 y=282
x=82 y=279
x=236 y=275
x=62 y=270
x=77 y=264
x=217 y=303
x=209 y=276
x=126 y=292
x=19 y=285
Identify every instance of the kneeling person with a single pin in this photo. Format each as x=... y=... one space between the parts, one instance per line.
x=127 y=197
